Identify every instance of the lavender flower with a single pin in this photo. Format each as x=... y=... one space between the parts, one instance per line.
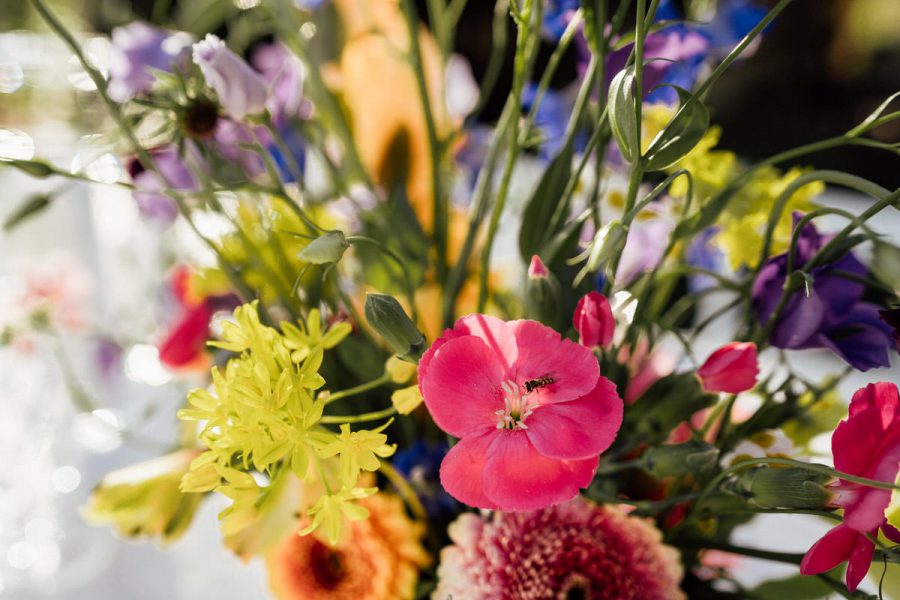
x=241 y=90
x=830 y=314
x=137 y=50
x=283 y=72
x=149 y=189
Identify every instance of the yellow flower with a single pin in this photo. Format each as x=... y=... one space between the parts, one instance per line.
x=358 y=450
x=329 y=511
x=303 y=340
x=145 y=499
x=407 y=399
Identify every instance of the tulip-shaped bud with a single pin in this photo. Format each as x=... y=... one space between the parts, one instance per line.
x=785 y=488
x=537 y=269
x=594 y=321
x=676 y=460
x=731 y=369
x=241 y=90
x=388 y=318
x=608 y=242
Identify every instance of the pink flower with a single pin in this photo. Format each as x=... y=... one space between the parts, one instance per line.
x=537 y=269
x=241 y=90
x=866 y=444
x=732 y=368
x=594 y=322
x=531 y=409
x=574 y=550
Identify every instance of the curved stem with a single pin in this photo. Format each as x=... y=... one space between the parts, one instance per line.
x=370 y=416
x=363 y=387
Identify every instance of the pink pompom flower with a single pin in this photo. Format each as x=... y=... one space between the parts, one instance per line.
x=531 y=410
x=574 y=550
x=593 y=320
x=866 y=444
x=731 y=369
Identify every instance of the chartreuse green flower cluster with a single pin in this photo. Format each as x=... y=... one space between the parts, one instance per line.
x=264 y=414
x=743 y=223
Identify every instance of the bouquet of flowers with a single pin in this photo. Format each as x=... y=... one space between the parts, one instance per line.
x=451 y=343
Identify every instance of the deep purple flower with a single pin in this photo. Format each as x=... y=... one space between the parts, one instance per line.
x=829 y=314
x=149 y=186
x=241 y=90
x=137 y=50
x=892 y=318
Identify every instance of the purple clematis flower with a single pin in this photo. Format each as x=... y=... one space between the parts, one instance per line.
x=137 y=50
x=829 y=314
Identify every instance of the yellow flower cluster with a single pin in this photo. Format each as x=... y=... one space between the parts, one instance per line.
x=742 y=225
x=263 y=415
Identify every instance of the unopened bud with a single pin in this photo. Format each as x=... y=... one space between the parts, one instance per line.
x=388 y=318
x=537 y=269
x=775 y=487
x=681 y=459
x=327 y=248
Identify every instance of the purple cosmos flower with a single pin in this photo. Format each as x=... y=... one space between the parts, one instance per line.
x=830 y=314
x=149 y=189
x=137 y=50
x=241 y=90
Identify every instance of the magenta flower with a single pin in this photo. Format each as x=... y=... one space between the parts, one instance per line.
x=594 y=322
x=731 y=369
x=866 y=444
x=531 y=410
x=241 y=90
x=575 y=550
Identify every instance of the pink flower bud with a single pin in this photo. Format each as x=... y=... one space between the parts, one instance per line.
x=241 y=90
x=593 y=320
x=732 y=368
x=537 y=269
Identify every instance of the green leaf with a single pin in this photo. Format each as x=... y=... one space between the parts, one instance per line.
x=622 y=117
x=886 y=263
x=681 y=134
x=539 y=209
x=866 y=125
x=31 y=207
x=797 y=587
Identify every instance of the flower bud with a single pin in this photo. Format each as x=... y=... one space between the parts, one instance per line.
x=732 y=368
x=594 y=322
x=785 y=487
x=676 y=460
x=327 y=248
x=241 y=90
x=388 y=318
x=607 y=243
x=537 y=269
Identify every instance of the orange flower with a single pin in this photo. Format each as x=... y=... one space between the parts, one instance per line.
x=377 y=559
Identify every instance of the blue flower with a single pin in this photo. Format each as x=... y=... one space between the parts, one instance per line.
x=420 y=464
x=551 y=118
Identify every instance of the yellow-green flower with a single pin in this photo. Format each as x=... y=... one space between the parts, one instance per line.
x=306 y=338
x=144 y=500
x=359 y=451
x=331 y=509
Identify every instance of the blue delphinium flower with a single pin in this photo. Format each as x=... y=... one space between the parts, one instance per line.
x=551 y=118
x=420 y=464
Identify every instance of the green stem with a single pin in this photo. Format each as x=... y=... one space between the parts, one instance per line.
x=370 y=416
x=405 y=490
x=435 y=146
x=363 y=387
x=410 y=290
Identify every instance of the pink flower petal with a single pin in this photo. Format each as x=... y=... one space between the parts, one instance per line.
x=578 y=429
x=860 y=561
x=461 y=386
x=732 y=369
x=542 y=353
x=518 y=478
x=462 y=468
x=830 y=551
x=496 y=333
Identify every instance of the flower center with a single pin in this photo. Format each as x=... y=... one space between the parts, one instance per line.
x=518 y=406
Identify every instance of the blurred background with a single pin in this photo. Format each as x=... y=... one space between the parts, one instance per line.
x=94 y=397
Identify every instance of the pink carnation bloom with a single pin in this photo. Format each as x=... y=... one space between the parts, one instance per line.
x=531 y=409
x=866 y=444
x=732 y=369
x=574 y=550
